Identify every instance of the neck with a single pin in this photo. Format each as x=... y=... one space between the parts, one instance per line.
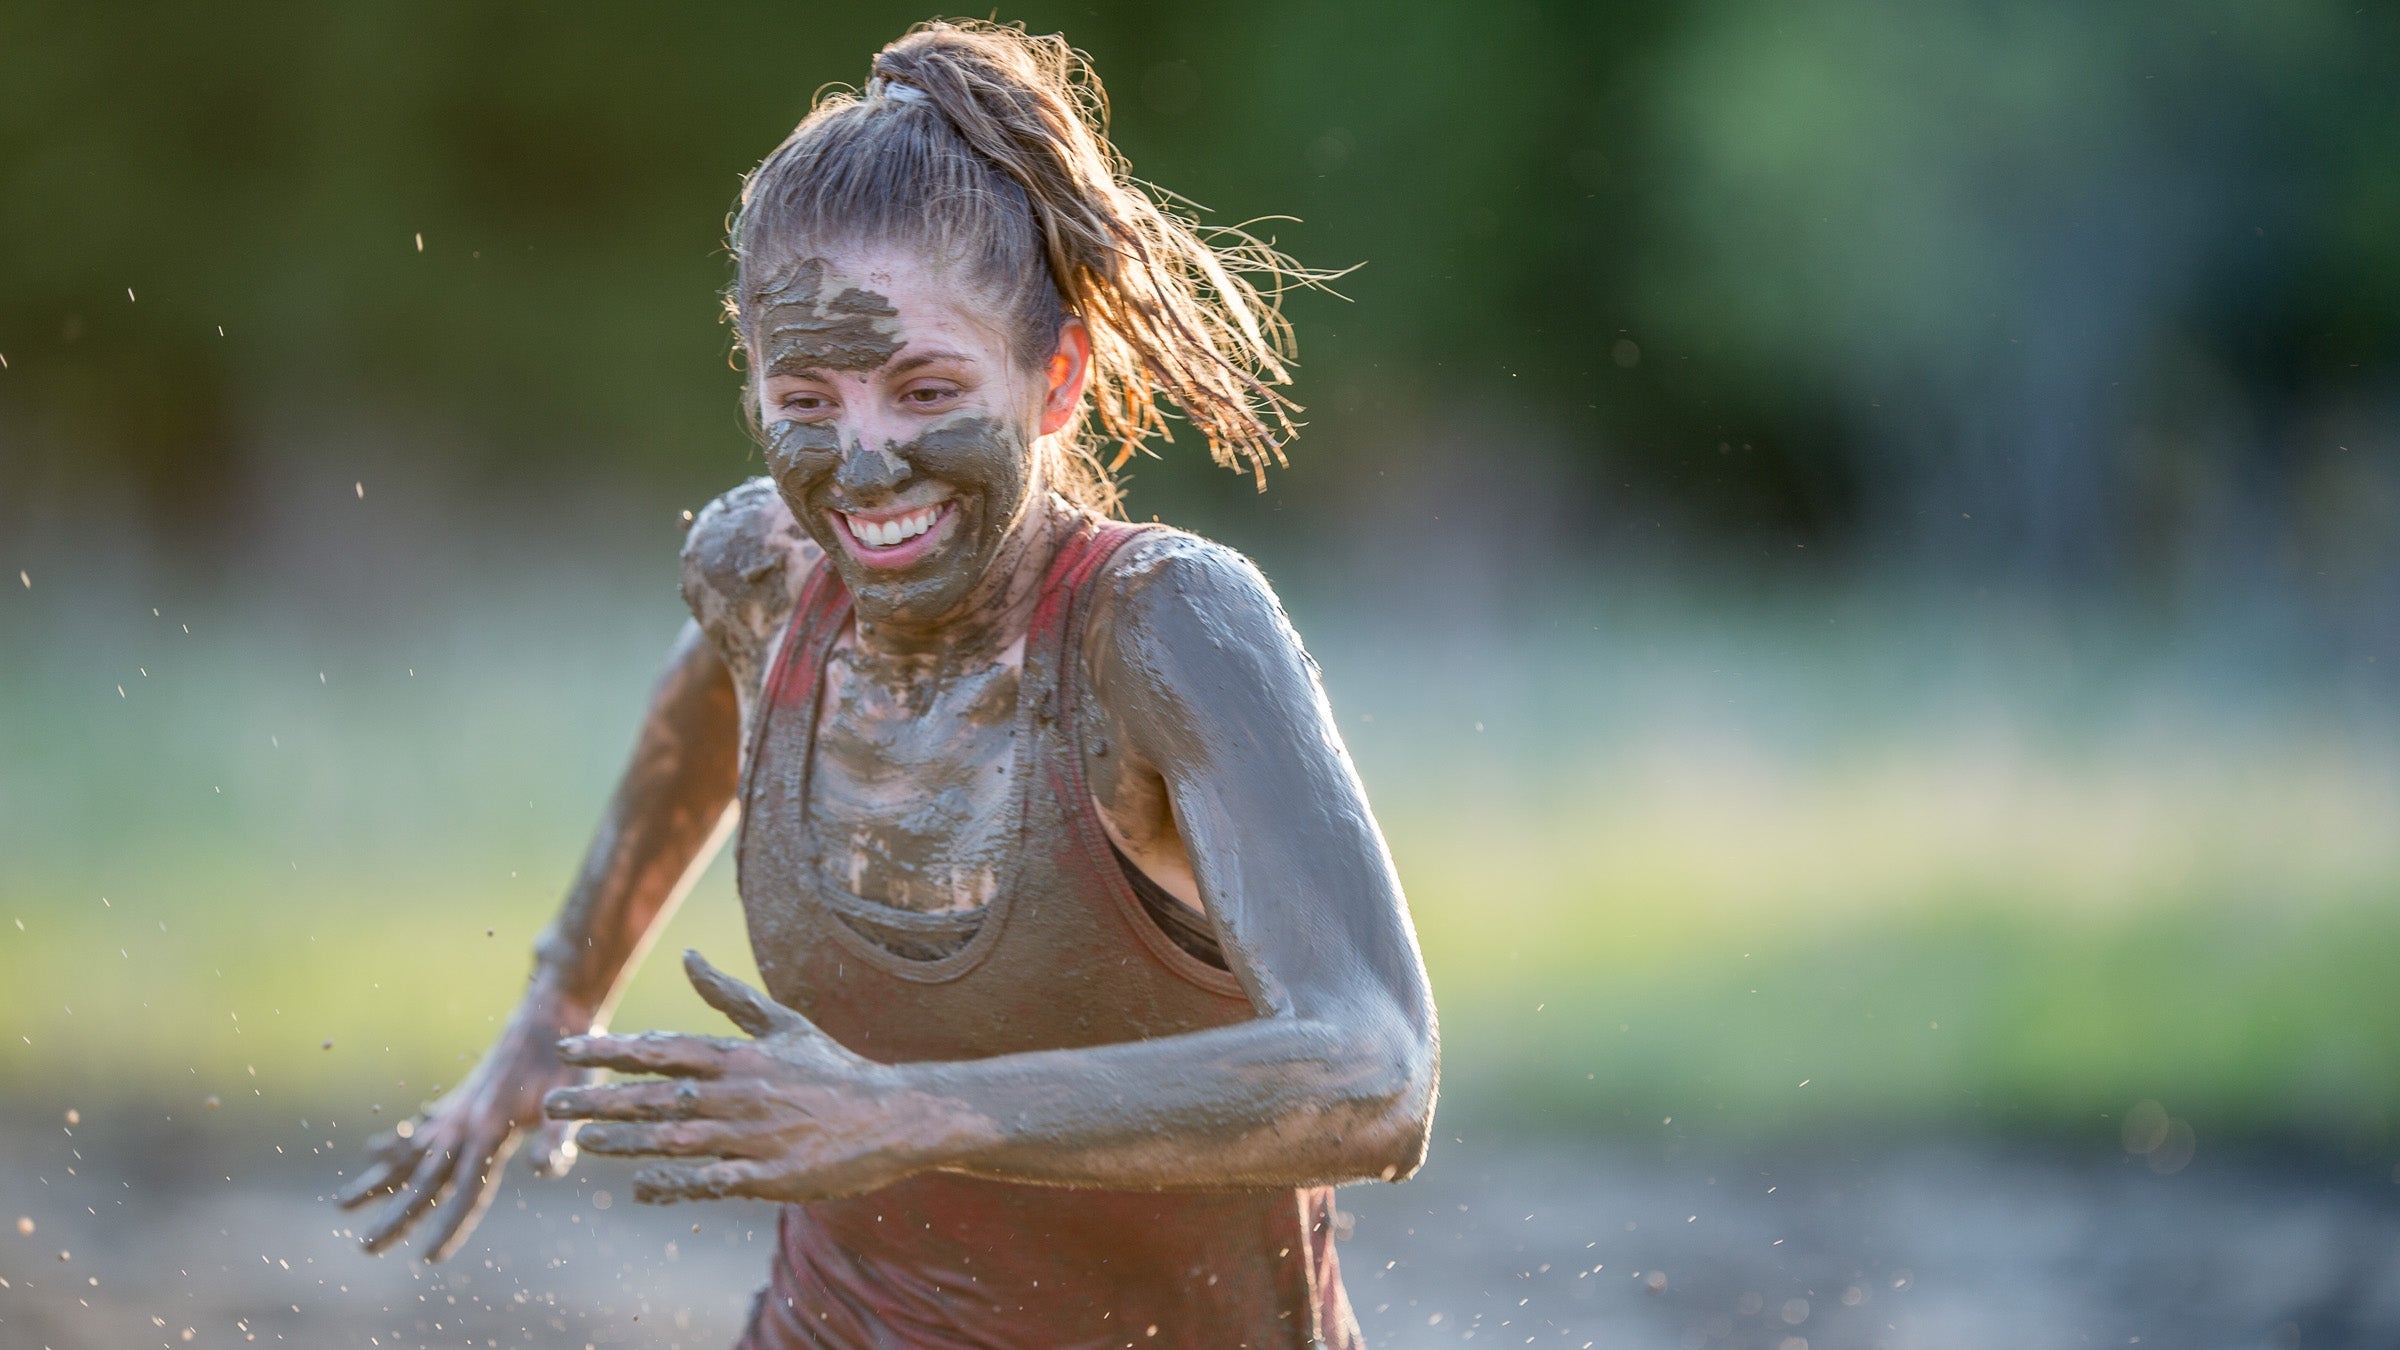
x=997 y=612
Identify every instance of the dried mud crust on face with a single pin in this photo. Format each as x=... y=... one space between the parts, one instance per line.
x=744 y=563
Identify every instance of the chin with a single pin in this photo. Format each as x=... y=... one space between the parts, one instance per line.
x=930 y=587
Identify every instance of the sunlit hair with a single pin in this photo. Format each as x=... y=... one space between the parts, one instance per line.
x=1004 y=169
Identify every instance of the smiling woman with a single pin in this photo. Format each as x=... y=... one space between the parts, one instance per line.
x=1087 y=971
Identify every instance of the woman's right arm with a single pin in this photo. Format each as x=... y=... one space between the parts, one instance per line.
x=670 y=812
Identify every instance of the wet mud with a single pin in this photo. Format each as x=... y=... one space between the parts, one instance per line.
x=958 y=635
x=798 y=327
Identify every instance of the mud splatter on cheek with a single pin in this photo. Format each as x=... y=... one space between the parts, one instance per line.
x=800 y=449
x=798 y=452
x=983 y=451
x=801 y=455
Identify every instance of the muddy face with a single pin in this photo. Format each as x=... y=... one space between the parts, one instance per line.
x=898 y=432
x=804 y=324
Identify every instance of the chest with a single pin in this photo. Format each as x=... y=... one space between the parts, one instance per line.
x=913 y=789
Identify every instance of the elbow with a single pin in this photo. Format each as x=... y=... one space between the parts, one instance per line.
x=1401 y=1079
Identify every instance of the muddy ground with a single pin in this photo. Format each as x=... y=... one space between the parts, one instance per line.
x=151 y=1233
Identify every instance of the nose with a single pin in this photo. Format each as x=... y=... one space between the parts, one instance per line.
x=867 y=470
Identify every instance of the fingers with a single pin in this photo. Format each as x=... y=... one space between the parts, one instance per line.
x=402 y=1143
x=661 y=1052
x=417 y=1194
x=680 y=1139
x=748 y=1009
x=469 y=1198
x=393 y=1158
x=667 y=1184
x=679 y=1099
x=380 y=1178
x=630 y=1101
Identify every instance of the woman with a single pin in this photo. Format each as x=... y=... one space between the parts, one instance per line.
x=1087 y=971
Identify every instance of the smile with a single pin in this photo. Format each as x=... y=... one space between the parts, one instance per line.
x=894 y=539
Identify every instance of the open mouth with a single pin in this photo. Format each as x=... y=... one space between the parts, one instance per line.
x=892 y=538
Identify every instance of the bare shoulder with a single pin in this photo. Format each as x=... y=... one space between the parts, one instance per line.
x=744 y=562
x=1171 y=601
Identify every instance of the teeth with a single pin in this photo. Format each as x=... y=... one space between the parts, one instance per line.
x=887 y=533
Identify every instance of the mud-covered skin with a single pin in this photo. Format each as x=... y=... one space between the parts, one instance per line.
x=765 y=1101
x=983 y=468
x=1211 y=704
x=951 y=599
x=805 y=320
x=1217 y=766
x=744 y=561
x=946 y=420
x=670 y=811
x=1229 y=785
x=915 y=765
x=1208 y=703
x=914 y=774
x=1135 y=805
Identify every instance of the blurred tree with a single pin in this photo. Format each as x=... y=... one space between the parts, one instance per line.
x=2012 y=245
x=1937 y=280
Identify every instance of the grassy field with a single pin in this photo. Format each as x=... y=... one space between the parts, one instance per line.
x=1824 y=861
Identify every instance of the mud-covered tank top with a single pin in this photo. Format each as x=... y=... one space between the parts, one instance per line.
x=1063 y=956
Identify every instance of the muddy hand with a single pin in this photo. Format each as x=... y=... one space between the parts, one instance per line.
x=788 y=1115
x=448 y=1161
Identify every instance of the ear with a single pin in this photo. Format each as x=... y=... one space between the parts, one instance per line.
x=1068 y=368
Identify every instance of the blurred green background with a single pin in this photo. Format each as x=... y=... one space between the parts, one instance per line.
x=1857 y=544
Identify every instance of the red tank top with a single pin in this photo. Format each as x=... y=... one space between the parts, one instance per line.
x=1064 y=956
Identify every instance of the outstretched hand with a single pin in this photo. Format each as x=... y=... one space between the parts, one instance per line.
x=788 y=1115
x=452 y=1155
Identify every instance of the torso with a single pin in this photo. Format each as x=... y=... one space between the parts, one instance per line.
x=914 y=776
x=914 y=911
x=913 y=784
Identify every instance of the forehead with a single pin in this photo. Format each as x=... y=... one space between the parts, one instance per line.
x=857 y=310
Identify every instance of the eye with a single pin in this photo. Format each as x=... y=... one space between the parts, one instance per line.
x=803 y=402
x=929 y=395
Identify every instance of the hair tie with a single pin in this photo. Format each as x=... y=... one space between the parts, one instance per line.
x=884 y=86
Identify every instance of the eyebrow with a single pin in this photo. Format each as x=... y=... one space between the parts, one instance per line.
x=802 y=366
x=908 y=363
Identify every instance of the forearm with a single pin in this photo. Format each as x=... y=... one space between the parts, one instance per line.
x=1279 y=1101
x=670 y=811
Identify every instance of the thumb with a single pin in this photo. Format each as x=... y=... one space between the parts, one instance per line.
x=746 y=1007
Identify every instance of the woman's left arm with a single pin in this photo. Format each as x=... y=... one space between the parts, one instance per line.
x=1199 y=671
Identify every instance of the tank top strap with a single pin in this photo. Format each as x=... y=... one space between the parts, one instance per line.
x=1057 y=628
x=1090 y=862
x=791 y=684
